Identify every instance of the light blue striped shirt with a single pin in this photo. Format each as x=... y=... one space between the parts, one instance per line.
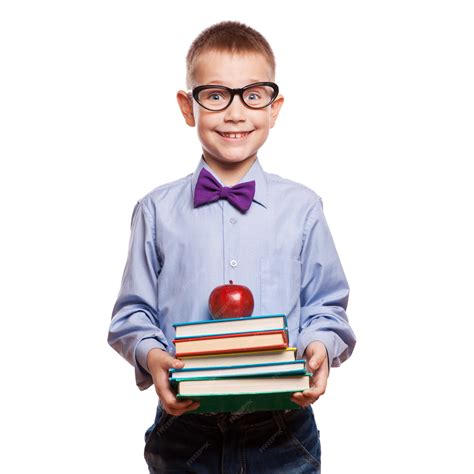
x=281 y=248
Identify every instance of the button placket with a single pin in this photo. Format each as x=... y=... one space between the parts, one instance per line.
x=231 y=241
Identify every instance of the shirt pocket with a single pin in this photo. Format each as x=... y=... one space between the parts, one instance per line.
x=280 y=280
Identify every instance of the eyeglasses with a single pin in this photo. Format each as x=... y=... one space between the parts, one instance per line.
x=257 y=95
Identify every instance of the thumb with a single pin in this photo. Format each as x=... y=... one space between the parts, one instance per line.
x=159 y=359
x=316 y=354
x=175 y=363
x=314 y=362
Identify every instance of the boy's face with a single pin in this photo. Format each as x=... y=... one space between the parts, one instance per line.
x=234 y=71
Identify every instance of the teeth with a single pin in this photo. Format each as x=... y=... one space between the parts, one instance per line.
x=234 y=135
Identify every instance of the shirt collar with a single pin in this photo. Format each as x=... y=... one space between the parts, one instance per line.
x=255 y=173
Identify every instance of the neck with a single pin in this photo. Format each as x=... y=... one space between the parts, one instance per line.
x=230 y=173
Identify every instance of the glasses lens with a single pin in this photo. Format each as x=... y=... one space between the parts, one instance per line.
x=258 y=96
x=214 y=98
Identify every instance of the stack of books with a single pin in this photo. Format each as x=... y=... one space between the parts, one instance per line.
x=238 y=364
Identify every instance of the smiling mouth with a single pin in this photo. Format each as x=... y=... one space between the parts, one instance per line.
x=234 y=135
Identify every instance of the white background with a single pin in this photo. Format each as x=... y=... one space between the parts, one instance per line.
x=378 y=119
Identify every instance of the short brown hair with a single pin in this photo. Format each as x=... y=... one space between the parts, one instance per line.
x=228 y=36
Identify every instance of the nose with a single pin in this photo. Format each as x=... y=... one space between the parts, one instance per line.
x=236 y=110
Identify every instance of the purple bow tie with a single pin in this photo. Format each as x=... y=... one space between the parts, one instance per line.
x=208 y=189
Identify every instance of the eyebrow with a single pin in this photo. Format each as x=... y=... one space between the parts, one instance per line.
x=219 y=82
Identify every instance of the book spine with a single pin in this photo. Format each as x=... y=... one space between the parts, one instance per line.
x=268 y=375
x=240 y=366
x=232 y=334
x=293 y=349
x=202 y=336
x=217 y=321
x=283 y=345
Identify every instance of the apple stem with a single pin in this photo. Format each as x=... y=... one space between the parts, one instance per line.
x=231 y=282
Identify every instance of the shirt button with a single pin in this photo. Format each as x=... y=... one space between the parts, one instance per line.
x=233 y=263
x=232 y=220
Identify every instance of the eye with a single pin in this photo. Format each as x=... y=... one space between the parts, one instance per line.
x=253 y=96
x=214 y=97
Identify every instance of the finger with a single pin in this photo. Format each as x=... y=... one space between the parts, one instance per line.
x=193 y=406
x=181 y=411
x=176 y=407
x=317 y=382
x=320 y=380
x=311 y=393
x=301 y=402
x=298 y=398
x=308 y=397
x=314 y=392
x=183 y=406
x=165 y=392
x=320 y=377
x=168 y=397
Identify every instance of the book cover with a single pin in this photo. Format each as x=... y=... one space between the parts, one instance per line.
x=230 y=325
x=230 y=354
x=238 y=358
x=288 y=368
x=262 y=383
x=245 y=401
x=234 y=342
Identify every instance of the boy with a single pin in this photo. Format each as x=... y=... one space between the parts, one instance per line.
x=230 y=220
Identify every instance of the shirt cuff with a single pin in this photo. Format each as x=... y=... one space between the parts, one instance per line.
x=334 y=345
x=143 y=348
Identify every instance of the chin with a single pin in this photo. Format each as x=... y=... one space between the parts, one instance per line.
x=232 y=158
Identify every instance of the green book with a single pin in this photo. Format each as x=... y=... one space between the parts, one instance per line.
x=242 y=394
x=242 y=402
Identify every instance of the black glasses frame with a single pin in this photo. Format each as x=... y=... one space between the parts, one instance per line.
x=233 y=92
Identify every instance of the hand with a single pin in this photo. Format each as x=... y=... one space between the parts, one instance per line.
x=316 y=362
x=159 y=362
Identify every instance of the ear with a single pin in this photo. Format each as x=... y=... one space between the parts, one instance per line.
x=185 y=102
x=275 y=109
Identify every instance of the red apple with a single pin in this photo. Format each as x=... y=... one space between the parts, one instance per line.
x=230 y=301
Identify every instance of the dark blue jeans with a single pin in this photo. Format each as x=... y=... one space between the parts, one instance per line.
x=234 y=443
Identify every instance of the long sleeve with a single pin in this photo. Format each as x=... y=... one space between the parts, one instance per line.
x=324 y=292
x=134 y=328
